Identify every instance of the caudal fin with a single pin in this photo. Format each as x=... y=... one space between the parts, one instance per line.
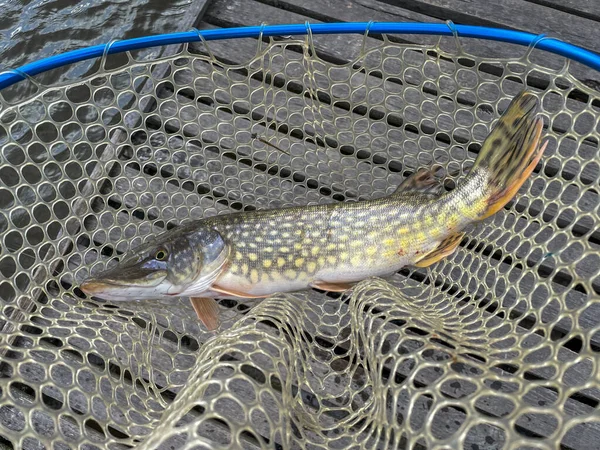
x=511 y=151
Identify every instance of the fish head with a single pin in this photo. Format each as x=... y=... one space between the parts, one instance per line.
x=180 y=262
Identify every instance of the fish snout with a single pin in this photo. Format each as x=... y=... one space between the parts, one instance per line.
x=93 y=287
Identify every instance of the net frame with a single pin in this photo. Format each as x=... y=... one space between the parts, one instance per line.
x=366 y=330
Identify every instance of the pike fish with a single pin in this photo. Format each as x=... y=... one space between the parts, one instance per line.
x=329 y=247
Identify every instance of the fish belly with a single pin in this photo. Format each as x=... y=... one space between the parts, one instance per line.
x=268 y=283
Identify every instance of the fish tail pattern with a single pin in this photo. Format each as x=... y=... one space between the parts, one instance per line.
x=510 y=152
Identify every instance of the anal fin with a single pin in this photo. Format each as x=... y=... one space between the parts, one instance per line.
x=446 y=247
x=207 y=311
x=331 y=287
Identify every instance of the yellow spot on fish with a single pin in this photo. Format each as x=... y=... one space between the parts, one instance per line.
x=356 y=260
x=311 y=266
x=297 y=246
x=244 y=268
x=298 y=232
x=238 y=255
x=285 y=235
x=234 y=268
x=299 y=262
x=258 y=239
x=331 y=259
x=274 y=276
x=344 y=255
x=390 y=242
x=254 y=276
x=280 y=262
x=321 y=260
x=252 y=256
x=371 y=251
x=267 y=263
x=284 y=249
x=252 y=245
x=355 y=244
x=315 y=251
x=268 y=249
x=331 y=247
x=245 y=234
x=291 y=274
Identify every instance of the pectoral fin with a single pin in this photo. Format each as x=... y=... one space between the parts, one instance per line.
x=331 y=287
x=446 y=247
x=207 y=310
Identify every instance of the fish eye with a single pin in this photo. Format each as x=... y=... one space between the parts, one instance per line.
x=161 y=255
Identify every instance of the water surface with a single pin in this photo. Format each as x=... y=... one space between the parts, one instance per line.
x=31 y=30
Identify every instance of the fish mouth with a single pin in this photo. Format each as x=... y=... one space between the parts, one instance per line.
x=95 y=287
x=118 y=286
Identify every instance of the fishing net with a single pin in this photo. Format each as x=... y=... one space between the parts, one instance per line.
x=494 y=347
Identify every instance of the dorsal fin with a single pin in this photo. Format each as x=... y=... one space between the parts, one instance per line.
x=423 y=181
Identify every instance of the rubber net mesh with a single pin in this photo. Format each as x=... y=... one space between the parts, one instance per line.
x=495 y=347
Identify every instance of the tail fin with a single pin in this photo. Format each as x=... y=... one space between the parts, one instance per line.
x=511 y=151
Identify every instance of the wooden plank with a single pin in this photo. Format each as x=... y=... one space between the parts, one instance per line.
x=538 y=19
x=479 y=13
x=348 y=10
x=587 y=9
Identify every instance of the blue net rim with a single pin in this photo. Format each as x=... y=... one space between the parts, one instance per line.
x=552 y=45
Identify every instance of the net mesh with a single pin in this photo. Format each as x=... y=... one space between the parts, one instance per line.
x=494 y=347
